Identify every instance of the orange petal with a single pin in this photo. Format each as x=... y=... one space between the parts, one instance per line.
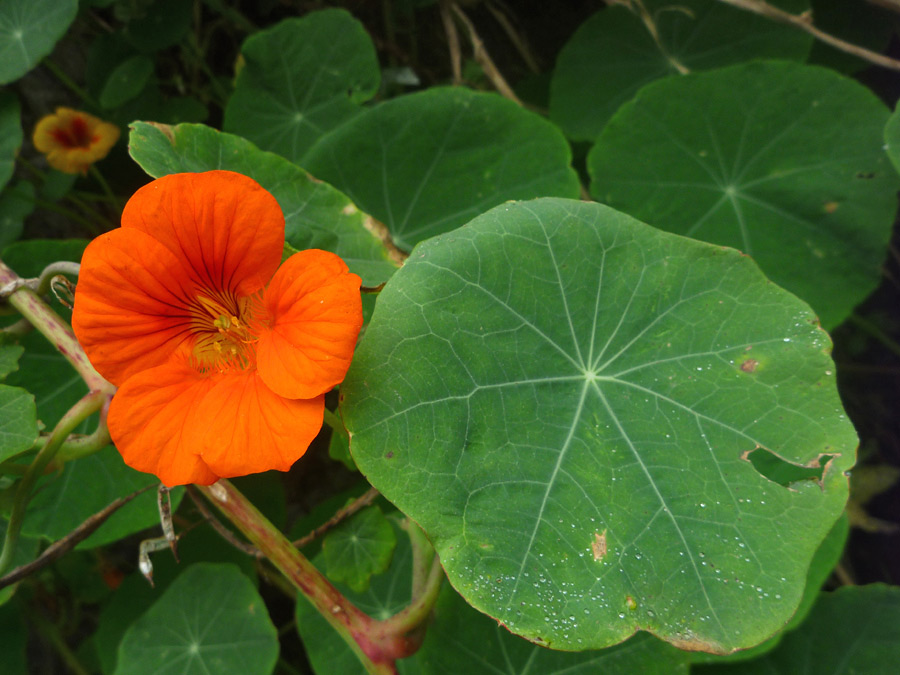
x=315 y=313
x=243 y=427
x=225 y=225
x=149 y=420
x=131 y=303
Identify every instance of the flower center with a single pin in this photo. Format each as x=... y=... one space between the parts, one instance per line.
x=76 y=135
x=224 y=338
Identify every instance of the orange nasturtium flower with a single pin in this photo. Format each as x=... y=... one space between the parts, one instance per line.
x=221 y=357
x=73 y=140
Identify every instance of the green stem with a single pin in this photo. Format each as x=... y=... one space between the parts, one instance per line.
x=332 y=420
x=70 y=83
x=50 y=632
x=110 y=195
x=371 y=641
x=72 y=215
x=87 y=406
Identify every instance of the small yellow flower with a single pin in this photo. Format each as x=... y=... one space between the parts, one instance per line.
x=73 y=140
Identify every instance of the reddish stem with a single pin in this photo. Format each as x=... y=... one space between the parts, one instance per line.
x=377 y=644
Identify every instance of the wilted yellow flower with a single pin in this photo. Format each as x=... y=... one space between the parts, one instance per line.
x=73 y=140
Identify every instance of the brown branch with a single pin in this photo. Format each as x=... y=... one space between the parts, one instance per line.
x=804 y=23
x=355 y=506
x=70 y=541
x=483 y=58
x=452 y=42
x=223 y=531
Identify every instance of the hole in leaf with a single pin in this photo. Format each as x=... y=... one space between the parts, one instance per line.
x=783 y=472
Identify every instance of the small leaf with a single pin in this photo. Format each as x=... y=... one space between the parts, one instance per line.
x=301 y=78
x=210 y=620
x=10 y=134
x=613 y=54
x=426 y=163
x=164 y=23
x=29 y=30
x=388 y=594
x=316 y=215
x=9 y=359
x=86 y=486
x=16 y=203
x=126 y=81
x=855 y=629
x=750 y=157
x=18 y=421
x=359 y=548
x=582 y=405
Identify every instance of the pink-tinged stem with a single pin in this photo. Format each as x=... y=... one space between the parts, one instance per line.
x=377 y=644
x=41 y=316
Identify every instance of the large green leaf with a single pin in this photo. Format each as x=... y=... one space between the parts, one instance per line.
x=613 y=54
x=853 y=631
x=426 y=163
x=316 y=215
x=823 y=563
x=86 y=486
x=210 y=620
x=751 y=156
x=10 y=134
x=29 y=30
x=302 y=77
x=589 y=397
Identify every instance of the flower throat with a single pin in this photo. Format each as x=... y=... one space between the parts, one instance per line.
x=224 y=337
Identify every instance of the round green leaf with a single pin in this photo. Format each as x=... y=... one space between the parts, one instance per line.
x=10 y=134
x=588 y=396
x=853 y=631
x=359 y=548
x=126 y=81
x=18 y=421
x=751 y=157
x=210 y=620
x=823 y=563
x=29 y=30
x=316 y=215
x=302 y=77
x=613 y=54
x=86 y=486
x=426 y=163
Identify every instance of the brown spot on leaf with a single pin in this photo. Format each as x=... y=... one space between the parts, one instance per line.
x=598 y=546
x=749 y=365
x=830 y=207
